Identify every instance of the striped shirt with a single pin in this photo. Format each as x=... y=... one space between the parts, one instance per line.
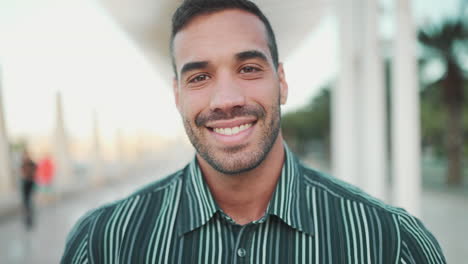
x=311 y=218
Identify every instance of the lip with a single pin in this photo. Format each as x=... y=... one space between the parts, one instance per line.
x=231 y=122
x=232 y=140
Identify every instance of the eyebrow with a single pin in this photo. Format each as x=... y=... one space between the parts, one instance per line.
x=195 y=65
x=241 y=56
x=251 y=54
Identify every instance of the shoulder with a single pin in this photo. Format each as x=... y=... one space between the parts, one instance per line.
x=418 y=245
x=156 y=191
x=411 y=240
x=118 y=216
x=342 y=190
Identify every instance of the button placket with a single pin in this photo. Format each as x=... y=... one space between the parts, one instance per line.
x=241 y=248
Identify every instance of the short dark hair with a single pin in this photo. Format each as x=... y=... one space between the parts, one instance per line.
x=190 y=9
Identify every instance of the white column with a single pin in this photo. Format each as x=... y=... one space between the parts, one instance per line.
x=405 y=114
x=6 y=183
x=373 y=151
x=344 y=134
x=63 y=164
x=97 y=175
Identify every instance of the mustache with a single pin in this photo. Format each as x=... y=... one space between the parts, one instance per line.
x=238 y=111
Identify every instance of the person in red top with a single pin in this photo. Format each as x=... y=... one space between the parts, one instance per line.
x=45 y=171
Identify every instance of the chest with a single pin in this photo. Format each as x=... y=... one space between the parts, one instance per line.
x=270 y=242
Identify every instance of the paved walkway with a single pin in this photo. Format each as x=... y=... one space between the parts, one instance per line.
x=445 y=213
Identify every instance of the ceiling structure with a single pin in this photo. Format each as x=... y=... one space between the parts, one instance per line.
x=148 y=23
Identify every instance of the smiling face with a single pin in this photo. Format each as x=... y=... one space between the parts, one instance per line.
x=228 y=91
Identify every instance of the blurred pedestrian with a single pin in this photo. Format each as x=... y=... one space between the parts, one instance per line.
x=28 y=171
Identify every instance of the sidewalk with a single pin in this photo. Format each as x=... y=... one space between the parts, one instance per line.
x=445 y=214
x=10 y=205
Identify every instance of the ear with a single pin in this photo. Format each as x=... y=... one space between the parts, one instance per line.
x=283 y=84
x=175 y=88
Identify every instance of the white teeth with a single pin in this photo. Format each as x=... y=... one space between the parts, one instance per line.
x=232 y=130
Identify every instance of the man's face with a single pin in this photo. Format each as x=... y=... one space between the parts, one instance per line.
x=228 y=91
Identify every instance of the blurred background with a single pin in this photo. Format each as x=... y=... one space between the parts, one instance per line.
x=377 y=98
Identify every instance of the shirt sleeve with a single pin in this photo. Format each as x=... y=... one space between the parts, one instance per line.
x=77 y=244
x=418 y=245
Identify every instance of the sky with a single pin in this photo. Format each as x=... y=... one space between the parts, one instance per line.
x=47 y=47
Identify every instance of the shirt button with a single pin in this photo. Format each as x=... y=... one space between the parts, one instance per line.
x=241 y=252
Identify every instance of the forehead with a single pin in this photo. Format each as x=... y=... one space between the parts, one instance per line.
x=220 y=34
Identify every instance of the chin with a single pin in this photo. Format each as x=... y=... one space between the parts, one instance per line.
x=234 y=160
x=235 y=168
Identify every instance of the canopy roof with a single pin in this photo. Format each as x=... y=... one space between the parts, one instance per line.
x=148 y=22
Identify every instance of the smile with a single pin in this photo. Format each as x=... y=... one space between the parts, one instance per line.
x=229 y=131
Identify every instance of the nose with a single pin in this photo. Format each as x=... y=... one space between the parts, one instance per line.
x=227 y=94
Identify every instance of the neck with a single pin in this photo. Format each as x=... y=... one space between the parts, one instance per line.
x=245 y=197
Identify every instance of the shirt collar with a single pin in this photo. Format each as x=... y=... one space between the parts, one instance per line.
x=197 y=204
x=288 y=201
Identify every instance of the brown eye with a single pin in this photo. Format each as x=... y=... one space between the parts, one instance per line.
x=199 y=78
x=249 y=69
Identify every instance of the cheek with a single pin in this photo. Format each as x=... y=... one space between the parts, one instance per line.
x=192 y=103
x=264 y=93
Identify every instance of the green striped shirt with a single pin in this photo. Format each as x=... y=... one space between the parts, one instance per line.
x=311 y=218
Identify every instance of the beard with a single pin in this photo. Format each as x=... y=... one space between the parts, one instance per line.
x=235 y=159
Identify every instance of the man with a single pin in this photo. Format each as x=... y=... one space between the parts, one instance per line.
x=245 y=198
